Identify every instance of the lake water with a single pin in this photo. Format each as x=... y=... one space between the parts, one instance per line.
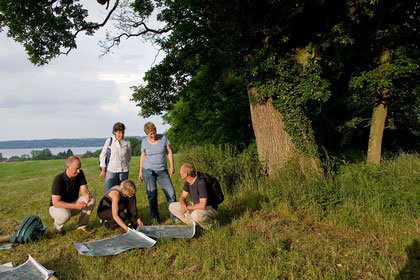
x=7 y=153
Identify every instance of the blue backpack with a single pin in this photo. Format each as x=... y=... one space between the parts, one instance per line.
x=107 y=156
x=30 y=230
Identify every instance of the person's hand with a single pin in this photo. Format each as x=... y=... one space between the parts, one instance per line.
x=171 y=170
x=183 y=209
x=80 y=205
x=139 y=222
x=141 y=176
x=103 y=172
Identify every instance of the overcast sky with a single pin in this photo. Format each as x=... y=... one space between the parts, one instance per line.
x=75 y=96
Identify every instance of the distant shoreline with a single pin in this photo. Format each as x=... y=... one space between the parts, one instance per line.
x=56 y=143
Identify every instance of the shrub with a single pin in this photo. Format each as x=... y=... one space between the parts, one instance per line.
x=233 y=170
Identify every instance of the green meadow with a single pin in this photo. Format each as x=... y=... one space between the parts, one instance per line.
x=356 y=222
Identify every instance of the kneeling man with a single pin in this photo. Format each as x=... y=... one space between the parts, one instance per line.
x=65 y=201
x=203 y=209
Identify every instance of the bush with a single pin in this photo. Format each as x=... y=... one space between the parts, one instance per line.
x=233 y=170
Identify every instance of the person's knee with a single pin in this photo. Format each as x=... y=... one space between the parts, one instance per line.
x=62 y=217
x=92 y=201
x=202 y=216
x=174 y=206
x=152 y=194
x=197 y=216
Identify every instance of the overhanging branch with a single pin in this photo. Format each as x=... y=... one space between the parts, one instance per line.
x=94 y=27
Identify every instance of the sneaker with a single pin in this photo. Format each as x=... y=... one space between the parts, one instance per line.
x=177 y=221
x=85 y=230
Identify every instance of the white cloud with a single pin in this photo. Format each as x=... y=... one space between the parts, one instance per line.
x=74 y=96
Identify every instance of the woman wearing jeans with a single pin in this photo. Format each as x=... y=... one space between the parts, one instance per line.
x=117 y=170
x=153 y=167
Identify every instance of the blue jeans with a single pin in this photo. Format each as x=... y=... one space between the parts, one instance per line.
x=162 y=176
x=113 y=179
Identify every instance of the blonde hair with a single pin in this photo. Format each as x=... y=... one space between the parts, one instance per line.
x=149 y=127
x=128 y=187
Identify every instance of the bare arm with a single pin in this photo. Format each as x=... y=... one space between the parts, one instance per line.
x=115 y=196
x=182 y=199
x=199 y=206
x=171 y=159
x=86 y=193
x=57 y=202
x=142 y=157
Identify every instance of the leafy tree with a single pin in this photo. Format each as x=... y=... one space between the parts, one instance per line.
x=14 y=158
x=69 y=153
x=90 y=154
x=248 y=33
x=41 y=155
x=24 y=157
x=1 y=157
x=46 y=28
x=135 y=145
x=374 y=58
x=65 y=154
x=222 y=117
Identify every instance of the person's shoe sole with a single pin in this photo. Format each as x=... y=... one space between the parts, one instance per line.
x=85 y=231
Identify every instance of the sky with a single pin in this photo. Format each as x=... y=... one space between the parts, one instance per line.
x=76 y=96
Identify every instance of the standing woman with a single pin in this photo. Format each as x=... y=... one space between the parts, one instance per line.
x=117 y=170
x=153 y=167
x=118 y=206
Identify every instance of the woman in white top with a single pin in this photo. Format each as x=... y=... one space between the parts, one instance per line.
x=117 y=169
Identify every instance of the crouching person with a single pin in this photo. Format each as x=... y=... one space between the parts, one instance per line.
x=118 y=206
x=65 y=201
x=203 y=208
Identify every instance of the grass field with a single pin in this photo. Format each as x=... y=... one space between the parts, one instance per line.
x=283 y=228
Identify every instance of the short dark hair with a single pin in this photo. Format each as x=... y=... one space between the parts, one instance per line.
x=118 y=127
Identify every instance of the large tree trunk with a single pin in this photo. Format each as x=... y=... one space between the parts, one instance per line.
x=376 y=132
x=380 y=110
x=274 y=145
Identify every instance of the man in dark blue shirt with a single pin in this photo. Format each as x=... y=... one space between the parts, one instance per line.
x=203 y=208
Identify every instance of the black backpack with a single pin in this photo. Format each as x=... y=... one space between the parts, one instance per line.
x=214 y=186
x=30 y=230
x=107 y=156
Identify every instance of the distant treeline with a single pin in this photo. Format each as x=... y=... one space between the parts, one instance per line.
x=55 y=143
x=47 y=154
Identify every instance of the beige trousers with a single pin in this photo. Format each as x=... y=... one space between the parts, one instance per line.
x=63 y=215
x=203 y=218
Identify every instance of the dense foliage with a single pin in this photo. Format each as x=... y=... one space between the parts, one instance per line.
x=44 y=28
